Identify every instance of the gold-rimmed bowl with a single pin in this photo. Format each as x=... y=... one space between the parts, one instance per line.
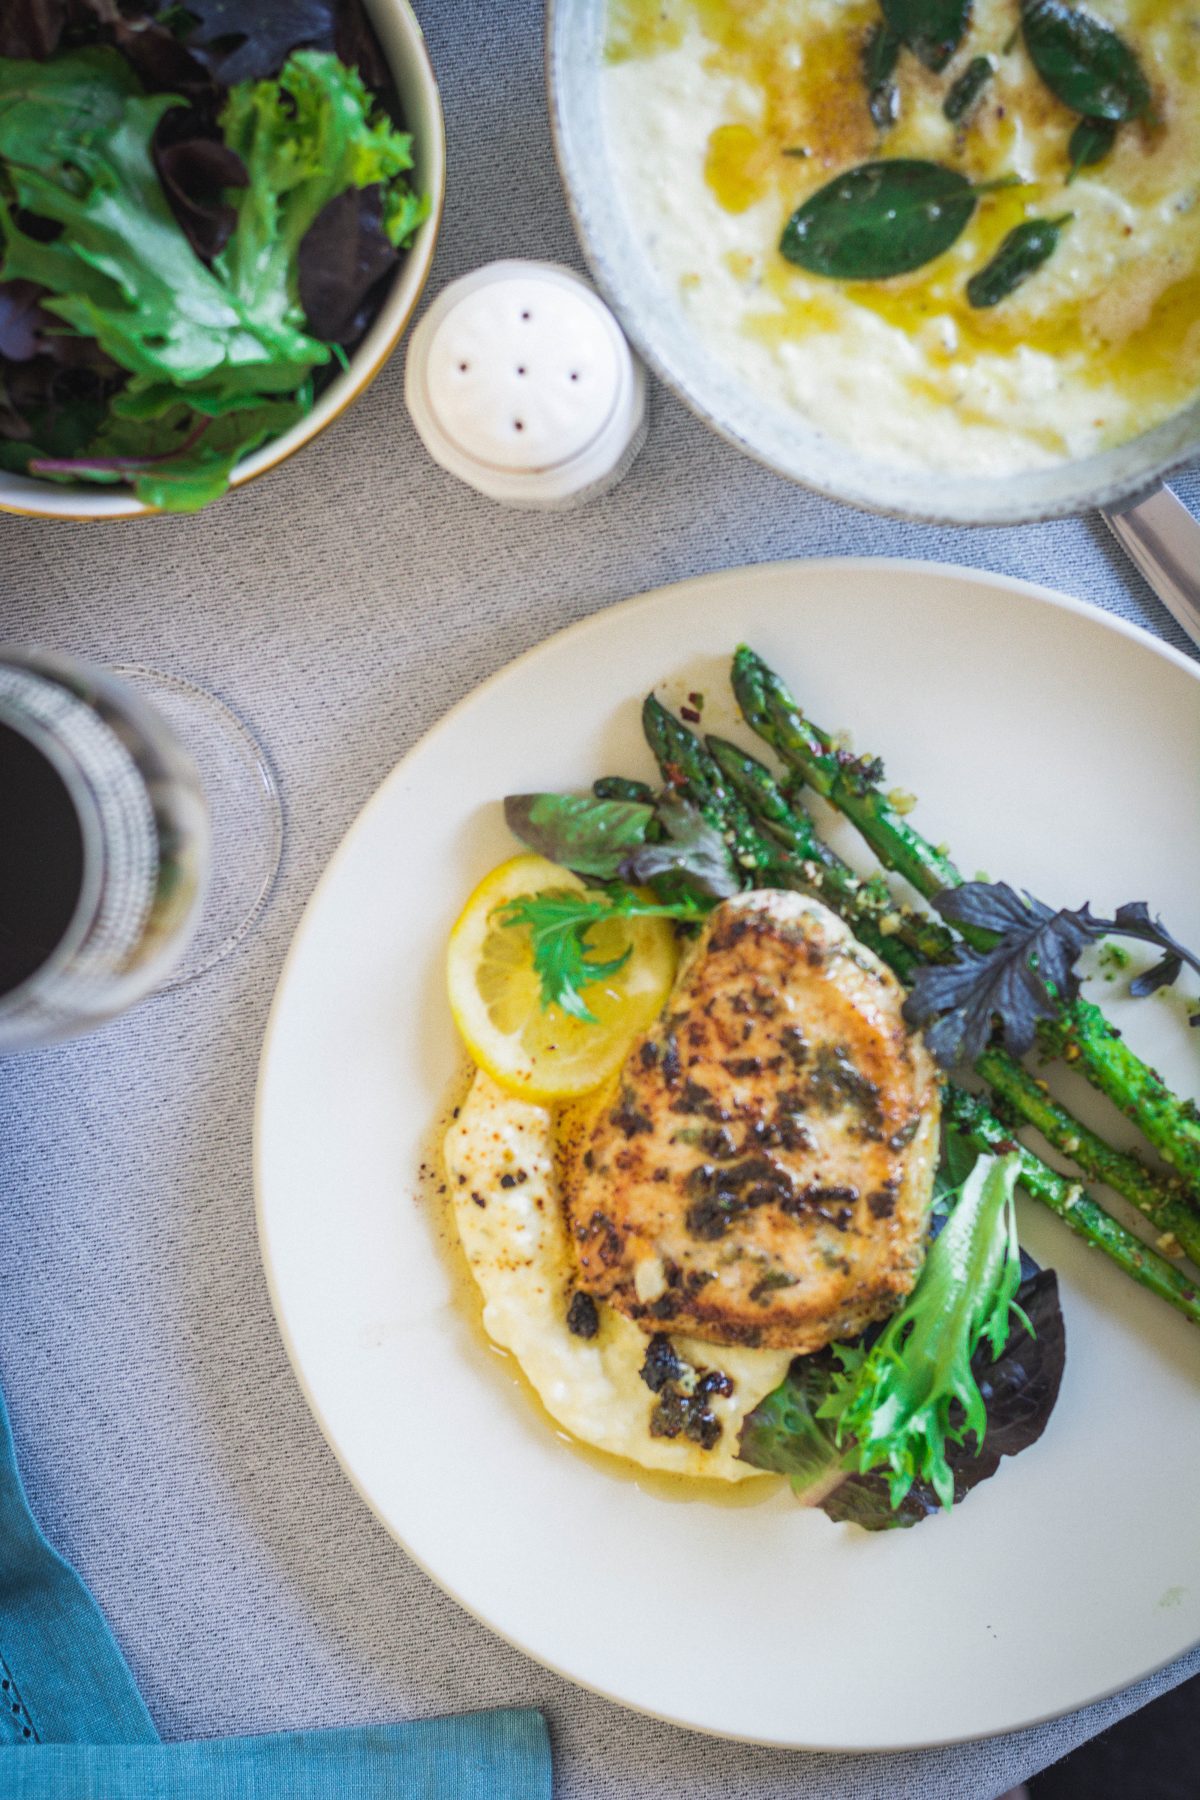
x=403 y=45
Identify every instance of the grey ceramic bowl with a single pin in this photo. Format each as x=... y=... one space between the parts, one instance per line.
x=657 y=325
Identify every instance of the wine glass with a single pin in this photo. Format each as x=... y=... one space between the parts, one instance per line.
x=140 y=833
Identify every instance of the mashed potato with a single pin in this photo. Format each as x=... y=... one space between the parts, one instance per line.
x=725 y=115
x=500 y=1162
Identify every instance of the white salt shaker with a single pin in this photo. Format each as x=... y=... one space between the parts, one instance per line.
x=520 y=382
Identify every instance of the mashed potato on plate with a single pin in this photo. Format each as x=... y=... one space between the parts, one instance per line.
x=500 y=1160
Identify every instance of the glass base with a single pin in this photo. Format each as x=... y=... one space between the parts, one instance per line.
x=245 y=808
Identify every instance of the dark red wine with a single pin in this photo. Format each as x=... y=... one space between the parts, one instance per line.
x=41 y=859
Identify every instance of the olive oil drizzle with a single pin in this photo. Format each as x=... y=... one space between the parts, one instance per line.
x=1136 y=331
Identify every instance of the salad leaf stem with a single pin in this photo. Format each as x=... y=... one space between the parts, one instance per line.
x=78 y=465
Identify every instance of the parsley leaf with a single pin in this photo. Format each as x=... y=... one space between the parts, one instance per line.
x=1026 y=974
x=558 y=921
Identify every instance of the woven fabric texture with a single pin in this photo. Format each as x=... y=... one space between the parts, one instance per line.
x=486 y=1756
x=342 y=604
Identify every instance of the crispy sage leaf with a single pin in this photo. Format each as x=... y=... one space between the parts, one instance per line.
x=880 y=219
x=932 y=29
x=1021 y=255
x=967 y=89
x=1083 y=61
x=881 y=53
x=1091 y=141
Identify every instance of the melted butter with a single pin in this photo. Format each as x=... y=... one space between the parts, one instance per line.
x=1119 y=320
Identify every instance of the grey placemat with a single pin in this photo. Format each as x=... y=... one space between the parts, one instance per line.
x=343 y=604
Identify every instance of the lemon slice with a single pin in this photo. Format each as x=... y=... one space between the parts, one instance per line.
x=495 y=995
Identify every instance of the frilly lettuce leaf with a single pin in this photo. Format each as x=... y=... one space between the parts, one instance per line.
x=898 y=1404
x=304 y=138
x=891 y=1385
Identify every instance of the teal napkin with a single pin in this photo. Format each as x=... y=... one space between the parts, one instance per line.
x=481 y=1756
x=73 y=1725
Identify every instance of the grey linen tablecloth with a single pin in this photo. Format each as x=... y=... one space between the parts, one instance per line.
x=342 y=604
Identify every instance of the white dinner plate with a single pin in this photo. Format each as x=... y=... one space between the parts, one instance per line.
x=1049 y=744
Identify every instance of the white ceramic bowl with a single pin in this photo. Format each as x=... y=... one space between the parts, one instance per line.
x=403 y=44
x=784 y=441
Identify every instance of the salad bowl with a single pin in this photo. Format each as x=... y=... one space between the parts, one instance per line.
x=403 y=44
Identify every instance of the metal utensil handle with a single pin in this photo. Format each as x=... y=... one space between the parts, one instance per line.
x=1163 y=539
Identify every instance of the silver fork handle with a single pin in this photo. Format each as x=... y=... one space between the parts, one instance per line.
x=1163 y=539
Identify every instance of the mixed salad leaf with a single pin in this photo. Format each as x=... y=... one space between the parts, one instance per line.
x=179 y=268
x=906 y=1422
x=662 y=842
x=1026 y=973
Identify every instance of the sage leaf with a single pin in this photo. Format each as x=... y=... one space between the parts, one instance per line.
x=1021 y=255
x=967 y=89
x=1084 y=62
x=880 y=219
x=932 y=29
x=881 y=53
x=1091 y=141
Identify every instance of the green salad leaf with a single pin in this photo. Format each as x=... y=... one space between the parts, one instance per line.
x=897 y=1405
x=75 y=140
x=304 y=138
x=590 y=836
x=664 y=842
x=180 y=460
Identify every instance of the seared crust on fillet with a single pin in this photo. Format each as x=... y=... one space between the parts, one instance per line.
x=762 y=1171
